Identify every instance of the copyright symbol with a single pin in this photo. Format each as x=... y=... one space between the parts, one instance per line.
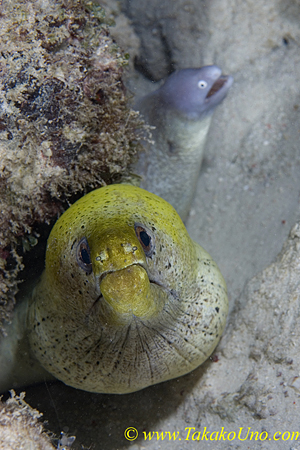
x=131 y=433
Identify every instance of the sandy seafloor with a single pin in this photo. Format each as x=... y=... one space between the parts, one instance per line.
x=246 y=202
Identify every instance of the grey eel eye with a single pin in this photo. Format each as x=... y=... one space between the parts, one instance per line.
x=146 y=239
x=202 y=84
x=83 y=256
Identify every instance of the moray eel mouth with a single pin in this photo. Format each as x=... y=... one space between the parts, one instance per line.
x=131 y=290
x=218 y=84
x=219 y=89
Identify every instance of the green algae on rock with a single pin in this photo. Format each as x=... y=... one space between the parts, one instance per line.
x=64 y=125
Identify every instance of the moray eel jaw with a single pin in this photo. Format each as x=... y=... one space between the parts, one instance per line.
x=128 y=291
x=218 y=90
x=119 y=265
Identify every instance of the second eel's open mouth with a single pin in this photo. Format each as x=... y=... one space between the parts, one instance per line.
x=218 y=84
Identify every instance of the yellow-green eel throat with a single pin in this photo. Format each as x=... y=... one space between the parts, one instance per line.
x=127 y=299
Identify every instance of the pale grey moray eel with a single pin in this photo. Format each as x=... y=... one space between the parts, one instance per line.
x=181 y=111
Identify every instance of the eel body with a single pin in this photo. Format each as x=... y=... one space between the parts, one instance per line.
x=181 y=112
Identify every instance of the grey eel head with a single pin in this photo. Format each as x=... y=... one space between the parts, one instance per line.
x=195 y=92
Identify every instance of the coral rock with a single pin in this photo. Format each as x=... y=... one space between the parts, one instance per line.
x=20 y=427
x=65 y=125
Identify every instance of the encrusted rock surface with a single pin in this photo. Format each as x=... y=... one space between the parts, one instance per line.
x=20 y=427
x=65 y=126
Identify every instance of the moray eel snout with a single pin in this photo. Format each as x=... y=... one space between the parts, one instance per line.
x=120 y=269
x=218 y=85
x=127 y=299
x=128 y=291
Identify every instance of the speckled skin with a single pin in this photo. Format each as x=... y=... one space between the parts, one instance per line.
x=181 y=112
x=133 y=319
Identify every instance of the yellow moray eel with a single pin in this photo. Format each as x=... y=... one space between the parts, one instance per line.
x=126 y=300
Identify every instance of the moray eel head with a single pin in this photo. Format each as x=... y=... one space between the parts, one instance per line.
x=103 y=250
x=195 y=92
x=127 y=299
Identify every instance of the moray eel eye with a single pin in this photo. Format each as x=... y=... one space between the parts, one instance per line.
x=83 y=256
x=202 y=84
x=146 y=239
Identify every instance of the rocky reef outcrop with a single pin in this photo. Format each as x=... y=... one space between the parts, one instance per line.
x=65 y=126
